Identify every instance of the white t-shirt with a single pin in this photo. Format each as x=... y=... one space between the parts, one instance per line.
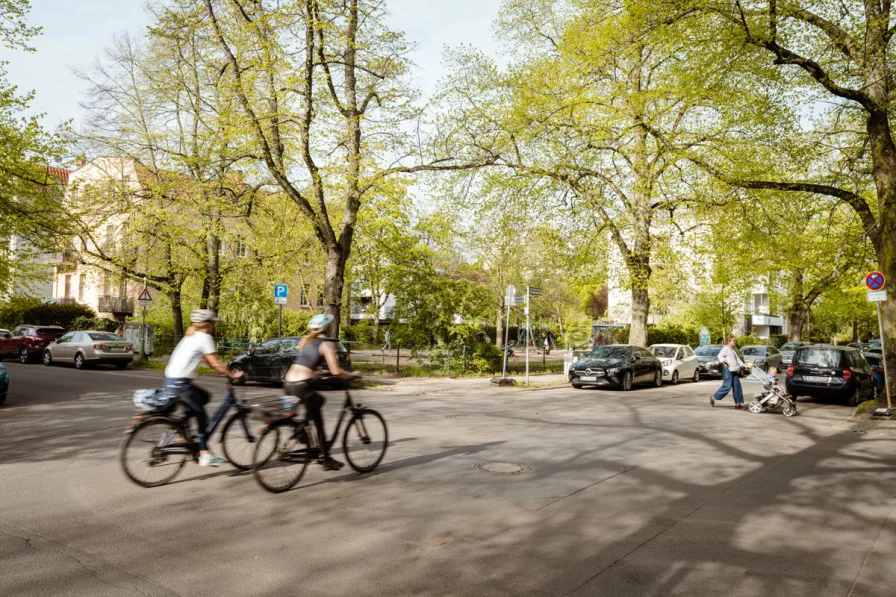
x=728 y=356
x=188 y=353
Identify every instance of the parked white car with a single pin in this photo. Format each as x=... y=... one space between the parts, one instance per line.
x=679 y=362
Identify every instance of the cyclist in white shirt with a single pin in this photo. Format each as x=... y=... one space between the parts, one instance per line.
x=731 y=366
x=197 y=345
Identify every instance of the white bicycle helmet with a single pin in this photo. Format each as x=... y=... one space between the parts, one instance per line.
x=320 y=322
x=203 y=315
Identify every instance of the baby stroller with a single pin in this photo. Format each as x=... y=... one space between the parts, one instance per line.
x=771 y=397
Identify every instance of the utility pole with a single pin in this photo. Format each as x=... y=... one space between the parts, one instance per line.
x=509 y=300
x=528 y=334
x=143 y=328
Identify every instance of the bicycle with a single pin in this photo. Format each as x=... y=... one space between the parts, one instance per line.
x=162 y=443
x=287 y=445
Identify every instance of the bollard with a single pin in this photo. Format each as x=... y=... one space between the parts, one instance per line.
x=397 y=357
x=465 y=360
x=544 y=360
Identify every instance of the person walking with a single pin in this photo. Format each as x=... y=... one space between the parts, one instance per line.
x=731 y=367
x=388 y=344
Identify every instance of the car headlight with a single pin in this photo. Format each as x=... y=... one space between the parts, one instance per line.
x=666 y=362
x=613 y=371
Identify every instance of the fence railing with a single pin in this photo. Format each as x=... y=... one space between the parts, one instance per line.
x=116 y=304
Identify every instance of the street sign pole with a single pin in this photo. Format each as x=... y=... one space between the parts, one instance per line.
x=280 y=323
x=883 y=346
x=509 y=301
x=528 y=333
x=143 y=328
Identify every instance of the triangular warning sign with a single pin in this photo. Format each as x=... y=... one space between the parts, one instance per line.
x=144 y=296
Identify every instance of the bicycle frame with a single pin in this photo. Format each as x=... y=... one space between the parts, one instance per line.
x=348 y=406
x=229 y=402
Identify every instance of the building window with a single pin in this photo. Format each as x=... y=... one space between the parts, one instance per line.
x=68 y=286
x=760 y=302
x=106 y=283
x=320 y=299
x=241 y=249
x=303 y=298
x=82 y=282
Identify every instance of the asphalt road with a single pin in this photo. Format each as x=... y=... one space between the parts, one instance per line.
x=650 y=492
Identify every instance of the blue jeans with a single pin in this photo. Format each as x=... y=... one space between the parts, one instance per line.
x=730 y=382
x=194 y=399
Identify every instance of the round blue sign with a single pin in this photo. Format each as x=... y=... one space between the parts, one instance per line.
x=874 y=281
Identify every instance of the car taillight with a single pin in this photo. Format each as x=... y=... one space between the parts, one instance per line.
x=847 y=374
x=100 y=347
x=129 y=347
x=348 y=357
x=789 y=370
x=879 y=368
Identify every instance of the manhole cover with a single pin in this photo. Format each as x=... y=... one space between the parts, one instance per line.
x=464 y=417
x=503 y=468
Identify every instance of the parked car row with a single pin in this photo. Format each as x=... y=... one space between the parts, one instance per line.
x=268 y=361
x=52 y=345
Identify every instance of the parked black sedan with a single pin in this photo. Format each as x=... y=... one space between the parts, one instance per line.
x=620 y=365
x=268 y=362
x=833 y=372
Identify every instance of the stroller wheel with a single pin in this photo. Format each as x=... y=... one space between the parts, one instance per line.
x=755 y=407
x=790 y=411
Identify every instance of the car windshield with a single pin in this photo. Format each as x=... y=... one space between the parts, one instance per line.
x=708 y=351
x=53 y=332
x=790 y=346
x=103 y=336
x=664 y=352
x=753 y=351
x=611 y=352
x=819 y=357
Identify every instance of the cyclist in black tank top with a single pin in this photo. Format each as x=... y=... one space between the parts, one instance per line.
x=315 y=350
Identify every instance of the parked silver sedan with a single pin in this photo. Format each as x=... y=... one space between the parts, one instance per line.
x=86 y=349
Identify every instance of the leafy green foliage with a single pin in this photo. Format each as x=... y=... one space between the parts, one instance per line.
x=100 y=324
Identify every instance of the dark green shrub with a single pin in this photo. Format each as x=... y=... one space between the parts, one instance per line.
x=778 y=340
x=100 y=324
x=485 y=358
x=52 y=314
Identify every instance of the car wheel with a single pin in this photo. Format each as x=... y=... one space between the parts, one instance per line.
x=577 y=386
x=23 y=355
x=121 y=366
x=48 y=358
x=80 y=363
x=675 y=377
x=627 y=381
x=696 y=377
x=855 y=398
x=241 y=380
x=658 y=378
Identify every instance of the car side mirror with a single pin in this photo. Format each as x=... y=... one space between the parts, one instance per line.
x=635 y=358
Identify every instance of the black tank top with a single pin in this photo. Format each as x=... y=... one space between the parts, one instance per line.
x=310 y=355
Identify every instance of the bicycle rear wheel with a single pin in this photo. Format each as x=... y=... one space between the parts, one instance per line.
x=154 y=452
x=281 y=456
x=365 y=440
x=238 y=442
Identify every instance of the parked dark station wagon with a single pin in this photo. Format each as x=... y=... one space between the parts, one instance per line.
x=833 y=372
x=268 y=362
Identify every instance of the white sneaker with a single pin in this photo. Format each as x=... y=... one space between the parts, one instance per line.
x=210 y=460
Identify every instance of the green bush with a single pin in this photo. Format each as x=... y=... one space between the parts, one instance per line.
x=778 y=340
x=361 y=331
x=742 y=341
x=31 y=311
x=295 y=323
x=673 y=334
x=485 y=358
x=100 y=324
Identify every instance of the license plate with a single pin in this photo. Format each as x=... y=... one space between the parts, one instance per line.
x=116 y=349
x=588 y=378
x=817 y=379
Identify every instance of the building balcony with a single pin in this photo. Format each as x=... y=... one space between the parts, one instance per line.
x=116 y=305
x=762 y=319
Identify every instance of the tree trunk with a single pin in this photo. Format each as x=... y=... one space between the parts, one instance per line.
x=855 y=330
x=177 y=314
x=499 y=326
x=334 y=280
x=637 y=335
x=796 y=321
x=213 y=272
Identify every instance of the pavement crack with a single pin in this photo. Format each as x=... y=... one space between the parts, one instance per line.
x=92 y=564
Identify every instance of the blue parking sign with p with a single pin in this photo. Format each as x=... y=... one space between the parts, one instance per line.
x=281 y=292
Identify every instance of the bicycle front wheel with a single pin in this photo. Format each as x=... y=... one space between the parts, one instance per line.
x=154 y=452
x=281 y=456
x=365 y=440
x=238 y=441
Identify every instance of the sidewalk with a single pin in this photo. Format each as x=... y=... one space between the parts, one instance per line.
x=444 y=386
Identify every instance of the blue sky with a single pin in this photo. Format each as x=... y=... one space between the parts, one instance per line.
x=75 y=33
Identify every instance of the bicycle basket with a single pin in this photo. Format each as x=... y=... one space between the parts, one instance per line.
x=268 y=408
x=157 y=399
